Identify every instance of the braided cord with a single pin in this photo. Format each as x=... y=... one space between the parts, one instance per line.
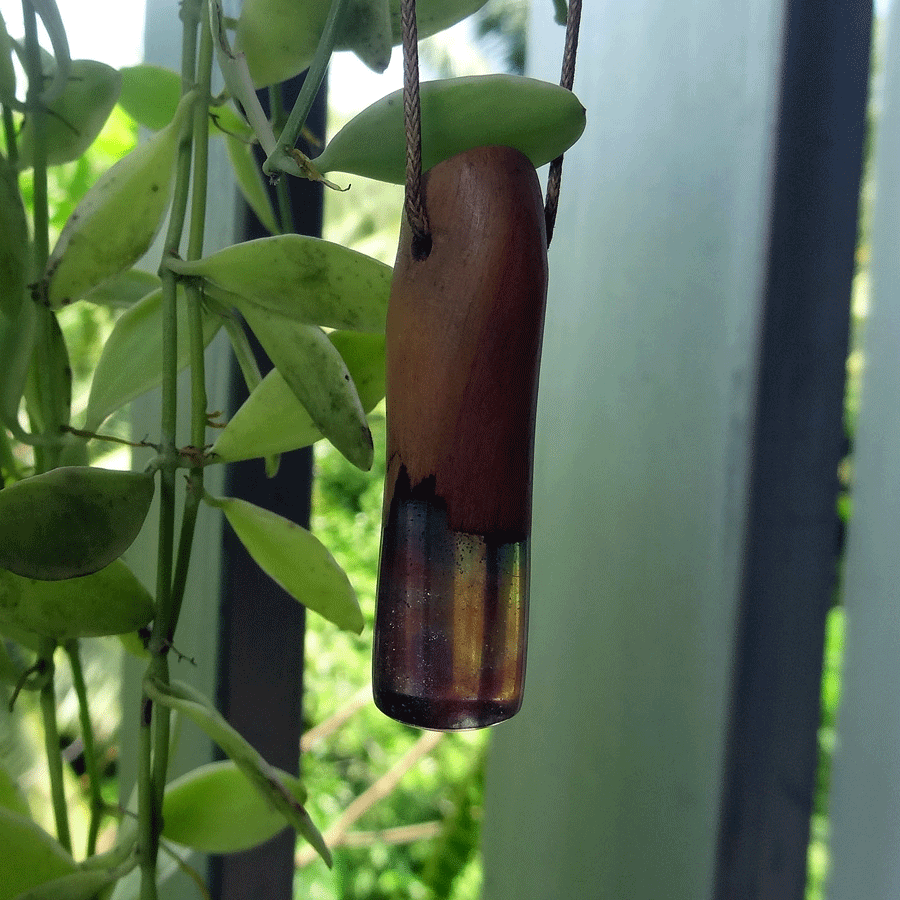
x=412 y=118
x=554 y=177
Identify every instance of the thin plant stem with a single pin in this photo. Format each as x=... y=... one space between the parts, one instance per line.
x=51 y=746
x=195 y=319
x=282 y=192
x=154 y=748
x=148 y=836
x=315 y=75
x=38 y=117
x=8 y=462
x=243 y=352
x=9 y=132
x=40 y=253
x=91 y=766
x=51 y=406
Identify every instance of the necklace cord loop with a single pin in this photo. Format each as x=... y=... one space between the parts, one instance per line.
x=567 y=79
x=412 y=118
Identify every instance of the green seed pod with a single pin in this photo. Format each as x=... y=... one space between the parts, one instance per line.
x=15 y=254
x=117 y=220
x=317 y=375
x=77 y=116
x=279 y=37
x=296 y=559
x=28 y=855
x=71 y=521
x=216 y=809
x=302 y=278
x=111 y=601
x=272 y=419
x=540 y=119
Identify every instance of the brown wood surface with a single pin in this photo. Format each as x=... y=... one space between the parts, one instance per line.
x=463 y=343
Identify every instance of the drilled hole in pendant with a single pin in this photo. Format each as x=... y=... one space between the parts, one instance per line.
x=421 y=247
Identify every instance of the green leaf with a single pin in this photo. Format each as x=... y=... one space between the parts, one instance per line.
x=111 y=601
x=17 y=337
x=305 y=279
x=130 y=363
x=135 y=645
x=366 y=29
x=15 y=253
x=224 y=120
x=9 y=674
x=27 y=639
x=11 y=797
x=296 y=559
x=315 y=372
x=279 y=37
x=77 y=116
x=540 y=119
x=28 y=855
x=216 y=809
x=80 y=885
x=272 y=419
x=125 y=290
x=115 y=222
x=69 y=522
x=249 y=179
x=266 y=779
x=150 y=94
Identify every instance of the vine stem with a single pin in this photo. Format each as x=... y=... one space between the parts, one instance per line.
x=9 y=132
x=195 y=318
x=290 y=134
x=155 y=727
x=282 y=194
x=40 y=253
x=51 y=745
x=97 y=806
x=51 y=406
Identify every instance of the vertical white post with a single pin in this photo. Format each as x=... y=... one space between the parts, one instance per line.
x=607 y=784
x=865 y=809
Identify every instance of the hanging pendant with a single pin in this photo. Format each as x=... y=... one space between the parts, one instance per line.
x=463 y=349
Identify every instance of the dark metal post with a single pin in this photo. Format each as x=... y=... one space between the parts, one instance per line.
x=791 y=550
x=262 y=628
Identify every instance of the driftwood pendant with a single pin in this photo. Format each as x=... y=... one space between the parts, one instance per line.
x=463 y=349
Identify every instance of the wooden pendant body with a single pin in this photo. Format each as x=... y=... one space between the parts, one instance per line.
x=463 y=350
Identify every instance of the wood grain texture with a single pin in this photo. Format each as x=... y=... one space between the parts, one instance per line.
x=463 y=343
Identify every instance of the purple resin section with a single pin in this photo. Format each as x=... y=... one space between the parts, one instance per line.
x=452 y=622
